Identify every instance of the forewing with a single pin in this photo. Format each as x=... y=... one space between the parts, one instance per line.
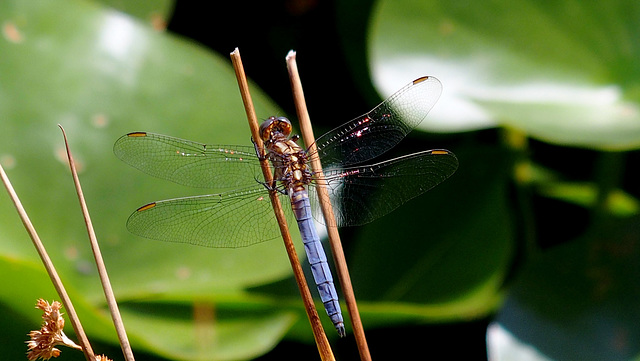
x=193 y=164
x=379 y=130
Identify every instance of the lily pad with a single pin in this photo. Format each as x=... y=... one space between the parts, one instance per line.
x=101 y=74
x=547 y=69
x=577 y=301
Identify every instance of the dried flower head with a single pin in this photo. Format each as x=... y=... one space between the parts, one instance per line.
x=43 y=341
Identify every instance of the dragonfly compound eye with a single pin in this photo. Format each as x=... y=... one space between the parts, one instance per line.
x=284 y=125
x=266 y=127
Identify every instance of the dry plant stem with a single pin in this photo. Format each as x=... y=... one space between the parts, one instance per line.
x=327 y=211
x=102 y=270
x=55 y=279
x=318 y=332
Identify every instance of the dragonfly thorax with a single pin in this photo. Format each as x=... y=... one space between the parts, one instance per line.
x=287 y=157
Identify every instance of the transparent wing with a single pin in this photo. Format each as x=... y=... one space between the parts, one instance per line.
x=226 y=220
x=379 y=130
x=193 y=164
x=362 y=194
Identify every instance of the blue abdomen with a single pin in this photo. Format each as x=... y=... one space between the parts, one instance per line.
x=317 y=258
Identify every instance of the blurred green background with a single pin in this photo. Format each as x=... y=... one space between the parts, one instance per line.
x=530 y=251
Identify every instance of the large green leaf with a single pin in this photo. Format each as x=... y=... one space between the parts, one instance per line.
x=562 y=71
x=156 y=12
x=226 y=331
x=577 y=301
x=100 y=74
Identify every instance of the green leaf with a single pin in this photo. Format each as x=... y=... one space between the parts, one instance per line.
x=563 y=72
x=592 y=121
x=239 y=327
x=154 y=11
x=240 y=335
x=578 y=301
x=101 y=74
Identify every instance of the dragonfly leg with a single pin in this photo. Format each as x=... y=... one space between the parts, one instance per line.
x=258 y=152
x=272 y=187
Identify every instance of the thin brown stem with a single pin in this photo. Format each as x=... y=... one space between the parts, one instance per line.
x=327 y=211
x=318 y=332
x=102 y=270
x=48 y=264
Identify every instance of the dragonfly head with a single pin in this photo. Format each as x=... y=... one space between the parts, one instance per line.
x=275 y=125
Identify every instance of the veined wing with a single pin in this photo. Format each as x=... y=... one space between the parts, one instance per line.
x=220 y=167
x=379 y=130
x=226 y=220
x=362 y=194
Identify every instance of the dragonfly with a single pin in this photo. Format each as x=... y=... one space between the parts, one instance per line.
x=239 y=213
